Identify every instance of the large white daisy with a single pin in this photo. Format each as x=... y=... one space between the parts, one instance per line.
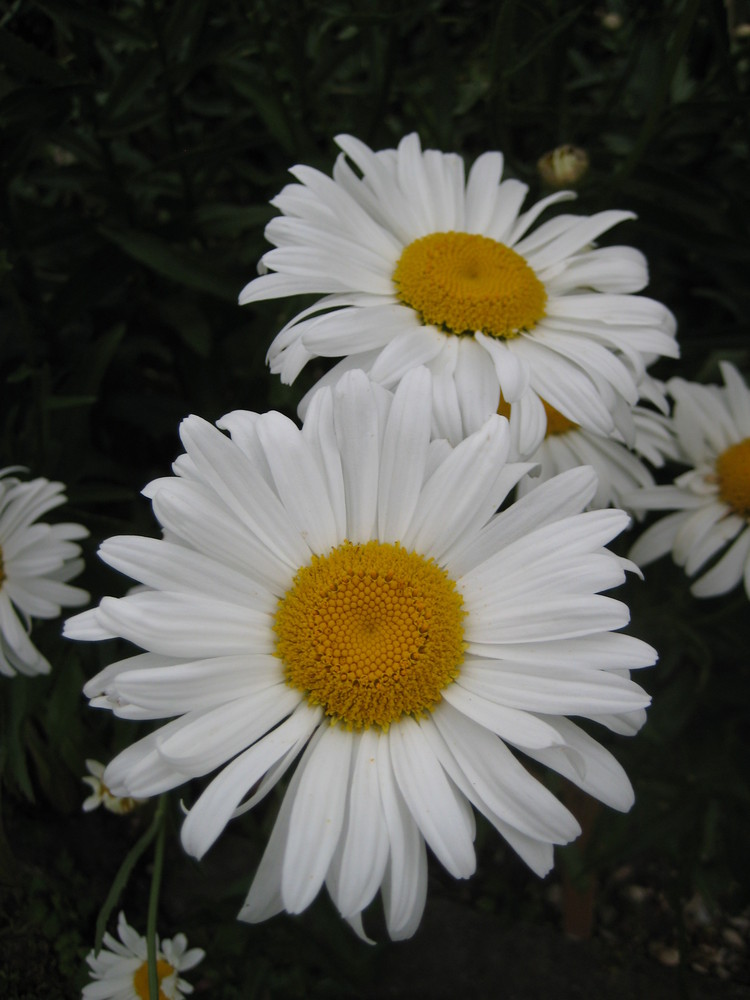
x=120 y=970
x=710 y=526
x=36 y=563
x=347 y=593
x=423 y=267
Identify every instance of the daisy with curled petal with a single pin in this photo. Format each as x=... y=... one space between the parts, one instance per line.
x=423 y=267
x=345 y=594
x=619 y=470
x=711 y=502
x=120 y=970
x=101 y=795
x=36 y=563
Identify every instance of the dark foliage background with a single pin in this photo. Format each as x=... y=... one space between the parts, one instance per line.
x=141 y=143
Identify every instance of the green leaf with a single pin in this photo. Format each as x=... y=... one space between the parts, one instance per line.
x=179 y=265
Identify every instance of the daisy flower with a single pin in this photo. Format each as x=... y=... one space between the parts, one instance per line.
x=101 y=795
x=36 y=563
x=423 y=267
x=711 y=501
x=120 y=970
x=345 y=594
x=619 y=470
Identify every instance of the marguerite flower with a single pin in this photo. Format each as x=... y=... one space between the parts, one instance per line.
x=711 y=502
x=101 y=795
x=619 y=470
x=120 y=970
x=346 y=594
x=36 y=563
x=423 y=268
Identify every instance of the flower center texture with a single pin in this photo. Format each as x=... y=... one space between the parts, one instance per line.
x=733 y=473
x=140 y=978
x=556 y=422
x=371 y=632
x=463 y=282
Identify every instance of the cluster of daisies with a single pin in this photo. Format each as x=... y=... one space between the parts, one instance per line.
x=399 y=604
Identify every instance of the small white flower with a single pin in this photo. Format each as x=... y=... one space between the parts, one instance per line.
x=423 y=267
x=36 y=563
x=346 y=595
x=711 y=502
x=101 y=795
x=120 y=970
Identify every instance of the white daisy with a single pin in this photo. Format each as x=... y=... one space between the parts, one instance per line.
x=423 y=268
x=36 y=562
x=619 y=470
x=347 y=593
x=101 y=795
x=120 y=970
x=711 y=502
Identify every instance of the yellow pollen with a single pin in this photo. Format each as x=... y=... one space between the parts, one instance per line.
x=464 y=283
x=556 y=422
x=140 y=978
x=371 y=632
x=733 y=473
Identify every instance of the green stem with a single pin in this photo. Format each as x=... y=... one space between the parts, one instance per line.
x=153 y=899
x=122 y=876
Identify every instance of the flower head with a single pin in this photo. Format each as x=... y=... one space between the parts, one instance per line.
x=423 y=267
x=36 y=563
x=710 y=526
x=120 y=970
x=347 y=595
x=101 y=795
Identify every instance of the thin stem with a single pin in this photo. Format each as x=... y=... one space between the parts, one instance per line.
x=122 y=876
x=153 y=899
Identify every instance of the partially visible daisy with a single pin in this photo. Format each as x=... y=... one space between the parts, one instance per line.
x=120 y=970
x=423 y=267
x=711 y=502
x=346 y=595
x=619 y=470
x=36 y=563
x=101 y=795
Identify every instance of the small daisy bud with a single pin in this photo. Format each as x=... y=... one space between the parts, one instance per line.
x=563 y=166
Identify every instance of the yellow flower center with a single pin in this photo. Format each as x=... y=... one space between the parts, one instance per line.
x=556 y=422
x=733 y=473
x=140 y=978
x=371 y=633
x=463 y=282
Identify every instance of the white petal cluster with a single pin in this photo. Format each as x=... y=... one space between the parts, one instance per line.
x=36 y=562
x=101 y=796
x=704 y=534
x=619 y=470
x=241 y=515
x=343 y=236
x=114 y=968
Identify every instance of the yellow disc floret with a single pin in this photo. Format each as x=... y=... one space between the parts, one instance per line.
x=733 y=473
x=371 y=632
x=140 y=978
x=464 y=283
x=557 y=423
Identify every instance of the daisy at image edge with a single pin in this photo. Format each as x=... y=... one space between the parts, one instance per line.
x=708 y=533
x=37 y=561
x=120 y=970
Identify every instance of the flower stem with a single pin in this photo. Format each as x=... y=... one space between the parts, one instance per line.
x=153 y=899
